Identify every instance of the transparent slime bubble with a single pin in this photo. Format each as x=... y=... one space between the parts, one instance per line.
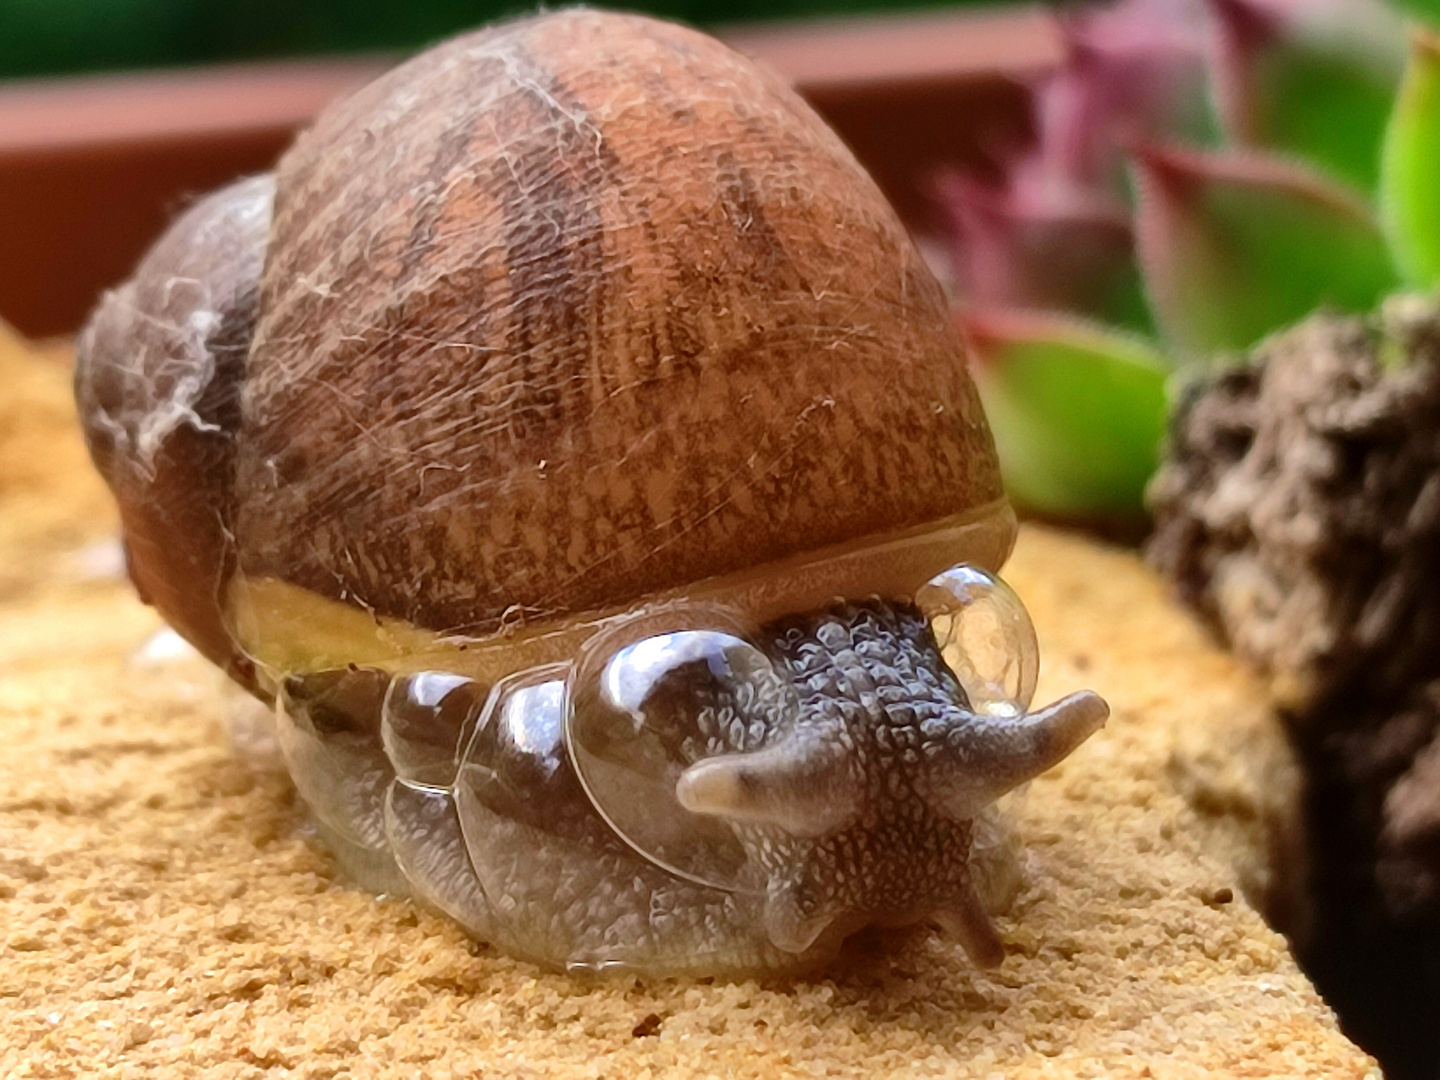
x=514 y=765
x=642 y=714
x=985 y=635
x=423 y=717
x=327 y=728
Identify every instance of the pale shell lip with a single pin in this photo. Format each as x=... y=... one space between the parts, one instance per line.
x=289 y=630
x=889 y=565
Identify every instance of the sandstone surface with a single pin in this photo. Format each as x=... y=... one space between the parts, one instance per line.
x=163 y=912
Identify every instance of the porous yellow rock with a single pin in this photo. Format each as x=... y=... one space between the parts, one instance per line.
x=162 y=912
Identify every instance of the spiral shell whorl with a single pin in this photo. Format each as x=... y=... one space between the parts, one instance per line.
x=159 y=367
x=580 y=308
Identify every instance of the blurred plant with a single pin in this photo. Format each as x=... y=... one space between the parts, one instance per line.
x=1203 y=173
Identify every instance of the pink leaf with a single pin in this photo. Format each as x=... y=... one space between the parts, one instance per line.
x=1133 y=71
x=1235 y=246
x=1032 y=249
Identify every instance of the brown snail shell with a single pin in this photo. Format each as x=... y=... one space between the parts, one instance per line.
x=555 y=316
x=580 y=309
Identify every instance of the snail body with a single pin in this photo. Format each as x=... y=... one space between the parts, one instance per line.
x=518 y=438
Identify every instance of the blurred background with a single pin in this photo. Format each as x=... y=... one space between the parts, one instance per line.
x=114 y=113
x=48 y=37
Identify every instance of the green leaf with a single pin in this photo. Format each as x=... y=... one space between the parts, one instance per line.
x=1410 y=180
x=1077 y=411
x=1234 y=247
x=1314 y=80
x=1428 y=10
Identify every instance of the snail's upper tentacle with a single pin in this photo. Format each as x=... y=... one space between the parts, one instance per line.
x=973 y=758
x=807 y=787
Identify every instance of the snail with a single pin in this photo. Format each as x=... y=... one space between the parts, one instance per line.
x=571 y=444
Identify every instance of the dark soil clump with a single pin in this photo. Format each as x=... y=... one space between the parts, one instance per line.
x=1299 y=509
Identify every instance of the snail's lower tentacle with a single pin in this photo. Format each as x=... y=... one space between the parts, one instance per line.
x=978 y=757
x=964 y=918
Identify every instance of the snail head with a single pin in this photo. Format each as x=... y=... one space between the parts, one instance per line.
x=846 y=758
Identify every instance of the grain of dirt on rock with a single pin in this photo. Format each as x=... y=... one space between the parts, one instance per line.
x=163 y=913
